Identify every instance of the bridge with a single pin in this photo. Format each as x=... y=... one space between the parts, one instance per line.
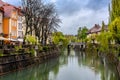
x=78 y=45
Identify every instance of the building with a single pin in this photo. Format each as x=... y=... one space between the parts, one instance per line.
x=1 y=20
x=95 y=30
x=12 y=22
x=1 y=25
x=20 y=26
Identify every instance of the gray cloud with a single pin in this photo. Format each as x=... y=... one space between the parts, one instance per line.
x=78 y=13
x=97 y=4
x=68 y=7
x=85 y=17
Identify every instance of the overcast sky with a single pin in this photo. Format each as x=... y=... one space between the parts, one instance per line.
x=78 y=13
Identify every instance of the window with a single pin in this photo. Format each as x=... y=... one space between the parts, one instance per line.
x=14 y=23
x=20 y=34
x=0 y=17
x=20 y=26
x=13 y=33
x=20 y=18
x=1 y=28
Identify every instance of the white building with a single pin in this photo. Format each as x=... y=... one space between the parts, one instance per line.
x=20 y=27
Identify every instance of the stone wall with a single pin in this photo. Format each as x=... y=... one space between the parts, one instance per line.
x=118 y=68
x=21 y=61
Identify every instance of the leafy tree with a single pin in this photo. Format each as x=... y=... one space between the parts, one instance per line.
x=74 y=39
x=79 y=33
x=71 y=38
x=82 y=33
x=40 y=19
x=31 y=39
x=104 y=39
x=60 y=39
x=103 y=26
x=115 y=29
x=114 y=10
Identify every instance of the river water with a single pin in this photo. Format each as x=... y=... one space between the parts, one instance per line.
x=75 y=65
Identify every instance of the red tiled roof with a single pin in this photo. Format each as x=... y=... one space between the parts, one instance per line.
x=95 y=28
x=1 y=9
x=20 y=11
x=8 y=8
x=1 y=3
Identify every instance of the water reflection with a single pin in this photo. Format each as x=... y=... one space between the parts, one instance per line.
x=71 y=65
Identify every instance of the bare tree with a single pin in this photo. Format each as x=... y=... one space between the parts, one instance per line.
x=40 y=18
x=31 y=10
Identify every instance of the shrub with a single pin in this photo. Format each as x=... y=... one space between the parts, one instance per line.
x=1 y=52
x=32 y=51
x=17 y=48
x=40 y=48
x=31 y=39
x=46 y=48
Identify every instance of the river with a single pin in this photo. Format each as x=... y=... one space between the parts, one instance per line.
x=75 y=65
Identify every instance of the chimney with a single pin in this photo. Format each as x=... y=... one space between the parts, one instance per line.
x=96 y=25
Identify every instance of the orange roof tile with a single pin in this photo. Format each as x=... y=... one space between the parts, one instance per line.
x=1 y=9
x=96 y=28
x=8 y=8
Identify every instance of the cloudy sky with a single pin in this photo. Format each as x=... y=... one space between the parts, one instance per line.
x=78 y=13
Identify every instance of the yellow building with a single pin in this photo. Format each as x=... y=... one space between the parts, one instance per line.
x=12 y=25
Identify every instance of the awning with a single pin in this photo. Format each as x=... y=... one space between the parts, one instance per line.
x=20 y=40
x=2 y=38
x=13 y=39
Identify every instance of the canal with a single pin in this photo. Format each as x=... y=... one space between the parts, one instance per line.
x=75 y=65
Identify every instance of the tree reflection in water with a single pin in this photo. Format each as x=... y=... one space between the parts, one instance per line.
x=71 y=65
x=106 y=71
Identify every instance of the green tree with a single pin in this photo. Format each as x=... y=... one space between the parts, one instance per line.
x=114 y=10
x=59 y=39
x=104 y=39
x=79 y=33
x=115 y=29
x=31 y=39
x=103 y=26
x=82 y=33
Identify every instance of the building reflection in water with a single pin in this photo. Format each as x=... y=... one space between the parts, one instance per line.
x=71 y=65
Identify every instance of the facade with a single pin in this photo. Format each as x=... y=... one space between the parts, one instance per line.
x=12 y=22
x=20 y=26
x=95 y=30
x=1 y=19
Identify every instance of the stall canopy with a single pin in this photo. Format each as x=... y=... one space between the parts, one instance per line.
x=2 y=38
